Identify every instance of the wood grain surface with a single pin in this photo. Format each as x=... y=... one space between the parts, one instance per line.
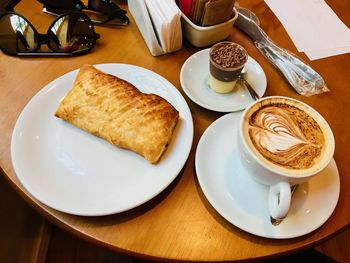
x=179 y=224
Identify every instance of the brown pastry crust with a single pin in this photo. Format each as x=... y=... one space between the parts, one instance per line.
x=113 y=109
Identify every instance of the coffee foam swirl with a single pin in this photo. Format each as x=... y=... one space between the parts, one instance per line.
x=286 y=135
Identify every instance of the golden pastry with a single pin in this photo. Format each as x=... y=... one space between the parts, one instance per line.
x=115 y=110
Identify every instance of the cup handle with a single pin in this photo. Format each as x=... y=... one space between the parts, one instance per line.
x=279 y=200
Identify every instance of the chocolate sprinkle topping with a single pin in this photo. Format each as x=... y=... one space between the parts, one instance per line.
x=229 y=55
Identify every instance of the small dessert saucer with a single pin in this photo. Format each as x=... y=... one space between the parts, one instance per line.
x=194 y=78
x=243 y=202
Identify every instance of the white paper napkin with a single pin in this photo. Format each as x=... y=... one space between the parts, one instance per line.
x=165 y=17
x=313 y=26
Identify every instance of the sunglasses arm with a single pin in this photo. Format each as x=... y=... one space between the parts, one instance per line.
x=11 y=4
x=45 y=54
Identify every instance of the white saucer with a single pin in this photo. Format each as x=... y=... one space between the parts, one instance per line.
x=243 y=202
x=194 y=78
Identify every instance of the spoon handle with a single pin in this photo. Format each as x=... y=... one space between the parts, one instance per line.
x=252 y=92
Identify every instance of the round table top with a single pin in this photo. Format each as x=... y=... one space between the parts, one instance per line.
x=179 y=223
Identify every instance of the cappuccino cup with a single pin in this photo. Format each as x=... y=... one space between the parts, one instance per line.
x=283 y=142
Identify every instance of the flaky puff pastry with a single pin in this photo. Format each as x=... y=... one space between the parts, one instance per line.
x=113 y=109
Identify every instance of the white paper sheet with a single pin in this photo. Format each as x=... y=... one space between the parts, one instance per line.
x=317 y=54
x=313 y=27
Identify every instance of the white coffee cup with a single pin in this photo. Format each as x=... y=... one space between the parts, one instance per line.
x=275 y=146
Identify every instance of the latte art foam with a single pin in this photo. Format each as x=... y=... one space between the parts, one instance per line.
x=286 y=135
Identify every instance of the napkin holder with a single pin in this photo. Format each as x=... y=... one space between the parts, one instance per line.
x=139 y=11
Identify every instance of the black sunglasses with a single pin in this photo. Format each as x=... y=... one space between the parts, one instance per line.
x=70 y=34
x=99 y=11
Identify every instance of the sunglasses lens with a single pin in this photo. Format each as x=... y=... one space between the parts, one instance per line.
x=16 y=34
x=72 y=33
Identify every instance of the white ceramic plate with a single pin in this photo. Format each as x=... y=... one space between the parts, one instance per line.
x=243 y=202
x=75 y=172
x=194 y=78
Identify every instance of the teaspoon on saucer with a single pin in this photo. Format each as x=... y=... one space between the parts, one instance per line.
x=242 y=78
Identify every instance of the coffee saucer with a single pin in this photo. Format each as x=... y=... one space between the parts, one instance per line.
x=194 y=77
x=243 y=202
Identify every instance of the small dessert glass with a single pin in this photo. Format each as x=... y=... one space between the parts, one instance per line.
x=227 y=60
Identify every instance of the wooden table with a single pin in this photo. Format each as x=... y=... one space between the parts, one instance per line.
x=180 y=223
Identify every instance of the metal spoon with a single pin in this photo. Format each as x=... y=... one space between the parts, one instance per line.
x=242 y=78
